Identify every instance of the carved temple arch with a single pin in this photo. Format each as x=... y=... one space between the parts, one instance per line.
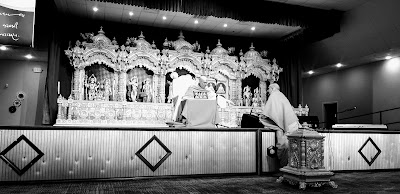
x=188 y=63
x=143 y=61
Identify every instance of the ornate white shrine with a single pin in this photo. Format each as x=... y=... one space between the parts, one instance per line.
x=125 y=84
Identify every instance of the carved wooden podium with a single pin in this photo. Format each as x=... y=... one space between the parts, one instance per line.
x=306 y=161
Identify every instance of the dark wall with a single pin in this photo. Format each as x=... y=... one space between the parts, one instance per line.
x=371 y=28
x=386 y=92
x=18 y=76
x=370 y=87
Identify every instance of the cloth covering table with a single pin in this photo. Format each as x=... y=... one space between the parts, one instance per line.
x=200 y=112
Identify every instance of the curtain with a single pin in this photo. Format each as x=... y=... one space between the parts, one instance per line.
x=254 y=11
x=290 y=80
x=50 y=105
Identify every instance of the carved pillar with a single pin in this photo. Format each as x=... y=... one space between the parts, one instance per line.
x=263 y=90
x=122 y=86
x=81 y=84
x=75 y=88
x=162 y=88
x=232 y=89
x=155 y=87
x=239 y=92
x=115 y=86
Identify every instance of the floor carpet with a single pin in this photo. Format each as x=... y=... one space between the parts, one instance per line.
x=348 y=182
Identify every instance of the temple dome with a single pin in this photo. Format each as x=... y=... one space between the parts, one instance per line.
x=101 y=37
x=181 y=43
x=141 y=43
x=252 y=53
x=219 y=50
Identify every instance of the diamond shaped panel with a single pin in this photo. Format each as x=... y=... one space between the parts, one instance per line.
x=369 y=161
x=139 y=153
x=12 y=164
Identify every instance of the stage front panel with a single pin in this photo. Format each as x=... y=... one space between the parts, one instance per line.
x=91 y=154
x=361 y=150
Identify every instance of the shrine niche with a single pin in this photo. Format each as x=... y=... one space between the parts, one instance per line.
x=126 y=84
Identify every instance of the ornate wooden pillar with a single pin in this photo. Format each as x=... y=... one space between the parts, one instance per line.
x=232 y=89
x=82 y=83
x=79 y=85
x=75 y=88
x=239 y=92
x=162 y=88
x=115 y=86
x=263 y=90
x=122 y=86
x=155 y=87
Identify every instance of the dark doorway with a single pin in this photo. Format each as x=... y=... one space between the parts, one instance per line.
x=330 y=113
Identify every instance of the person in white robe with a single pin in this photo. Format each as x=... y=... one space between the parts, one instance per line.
x=278 y=114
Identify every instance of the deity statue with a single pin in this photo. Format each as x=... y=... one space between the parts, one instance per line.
x=133 y=84
x=257 y=98
x=247 y=95
x=210 y=87
x=147 y=90
x=169 y=98
x=100 y=91
x=91 y=86
x=107 y=89
x=221 y=89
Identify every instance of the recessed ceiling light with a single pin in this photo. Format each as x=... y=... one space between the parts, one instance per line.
x=164 y=18
x=131 y=13
x=339 y=65
x=225 y=25
x=310 y=72
x=196 y=21
x=3 y=48
x=253 y=28
x=388 y=57
x=95 y=9
x=28 y=56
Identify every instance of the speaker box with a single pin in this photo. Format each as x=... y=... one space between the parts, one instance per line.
x=251 y=121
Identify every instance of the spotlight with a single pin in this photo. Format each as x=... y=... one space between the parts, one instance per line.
x=225 y=25
x=196 y=21
x=164 y=18
x=253 y=28
x=131 y=13
x=339 y=65
x=310 y=72
x=388 y=57
x=28 y=56
x=3 y=48
x=95 y=9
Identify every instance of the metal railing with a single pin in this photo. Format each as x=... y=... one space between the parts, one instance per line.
x=377 y=112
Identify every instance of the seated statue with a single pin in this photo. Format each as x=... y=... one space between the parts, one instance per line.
x=220 y=89
x=278 y=114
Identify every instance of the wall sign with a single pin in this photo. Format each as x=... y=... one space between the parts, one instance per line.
x=17 y=18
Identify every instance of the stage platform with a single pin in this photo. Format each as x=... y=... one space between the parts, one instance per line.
x=75 y=153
